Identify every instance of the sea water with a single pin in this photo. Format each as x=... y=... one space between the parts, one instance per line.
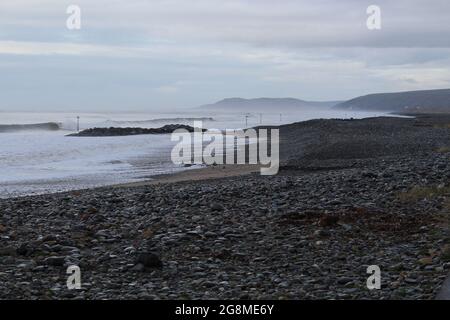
x=46 y=161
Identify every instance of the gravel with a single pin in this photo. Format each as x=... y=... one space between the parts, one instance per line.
x=308 y=233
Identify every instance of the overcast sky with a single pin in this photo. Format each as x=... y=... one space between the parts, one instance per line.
x=158 y=54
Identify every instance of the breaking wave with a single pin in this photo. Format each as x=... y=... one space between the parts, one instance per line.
x=48 y=126
x=152 y=122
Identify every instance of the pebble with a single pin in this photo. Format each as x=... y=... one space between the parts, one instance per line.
x=328 y=227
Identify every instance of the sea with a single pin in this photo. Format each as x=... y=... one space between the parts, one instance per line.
x=44 y=159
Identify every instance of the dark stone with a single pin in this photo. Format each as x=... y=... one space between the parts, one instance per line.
x=55 y=261
x=49 y=238
x=148 y=260
x=217 y=207
x=138 y=268
x=328 y=221
x=110 y=132
x=344 y=280
x=24 y=250
x=8 y=251
x=322 y=233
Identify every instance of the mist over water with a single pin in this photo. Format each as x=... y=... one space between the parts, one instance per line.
x=42 y=161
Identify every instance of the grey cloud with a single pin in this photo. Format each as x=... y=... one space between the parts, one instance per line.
x=301 y=23
x=158 y=53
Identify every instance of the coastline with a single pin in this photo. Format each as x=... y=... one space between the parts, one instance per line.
x=309 y=232
x=197 y=174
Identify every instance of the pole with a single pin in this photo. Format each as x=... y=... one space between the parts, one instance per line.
x=260 y=118
x=78 y=123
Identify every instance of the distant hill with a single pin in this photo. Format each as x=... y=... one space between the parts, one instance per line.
x=411 y=101
x=266 y=104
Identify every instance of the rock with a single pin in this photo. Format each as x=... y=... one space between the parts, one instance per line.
x=130 y=249
x=322 y=233
x=223 y=254
x=368 y=174
x=49 y=238
x=56 y=261
x=255 y=251
x=118 y=131
x=334 y=202
x=7 y=251
x=25 y=249
x=344 y=280
x=217 y=207
x=138 y=268
x=328 y=221
x=426 y=261
x=411 y=281
x=149 y=260
x=27 y=265
x=346 y=227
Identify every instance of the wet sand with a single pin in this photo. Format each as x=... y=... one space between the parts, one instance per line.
x=198 y=174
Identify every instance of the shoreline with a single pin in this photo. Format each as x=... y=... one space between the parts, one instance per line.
x=193 y=175
x=337 y=207
x=197 y=174
x=169 y=177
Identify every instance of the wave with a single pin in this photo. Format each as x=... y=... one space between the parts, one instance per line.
x=71 y=125
x=144 y=123
x=48 y=126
